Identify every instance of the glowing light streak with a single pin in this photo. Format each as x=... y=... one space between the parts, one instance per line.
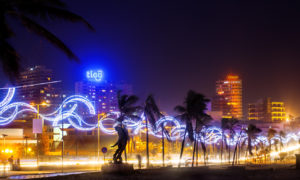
x=30 y=85
x=67 y=111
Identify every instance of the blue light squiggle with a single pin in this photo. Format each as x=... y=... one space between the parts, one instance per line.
x=67 y=111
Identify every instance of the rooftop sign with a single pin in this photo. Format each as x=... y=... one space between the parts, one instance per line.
x=94 y=75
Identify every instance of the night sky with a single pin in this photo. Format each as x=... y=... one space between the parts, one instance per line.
x=169 y=47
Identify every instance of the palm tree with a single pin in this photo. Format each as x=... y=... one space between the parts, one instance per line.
x=237 y=144
x=128 y=110
x=224 y=127
x=282 y=135
x=228 y=124
x=193 y=109
x=232 y=123
x=24 y=12
x=152 y=114
x=271 y=134
x=200 y=130
x=252 y=132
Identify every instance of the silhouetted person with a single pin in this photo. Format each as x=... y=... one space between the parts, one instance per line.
x=139 y=158
x=11 y=162
x=122 y=142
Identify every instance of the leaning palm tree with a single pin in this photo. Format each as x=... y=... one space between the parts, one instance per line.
x=252 y=132
x=282 y=135
x=271 y=133
x=128 y=110
x=224 y=127
x=228 y=124
x=27 y=12
x=202 y=122
x=232 y=123
x=193 y=110
x=152 y=114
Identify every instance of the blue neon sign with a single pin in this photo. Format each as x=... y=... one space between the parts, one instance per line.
x=94 y=75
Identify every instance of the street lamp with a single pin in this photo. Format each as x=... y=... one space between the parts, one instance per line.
x=26 y=147
x=103 y=115
x=3 y=136
x=37 y=139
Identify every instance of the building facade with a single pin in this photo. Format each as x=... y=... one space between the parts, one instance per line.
x=102 y=93
x=228 y=98
x=35 y=94
x=267 y=110
x=37 y=90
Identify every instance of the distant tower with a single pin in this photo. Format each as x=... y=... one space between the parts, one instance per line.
x=267 y=110
x=102 y=93
x=228 y=97
x=37 y=94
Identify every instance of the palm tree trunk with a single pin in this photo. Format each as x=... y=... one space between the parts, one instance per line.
x=222 y=146
x=197 y=148
x=249 y=146
x=229 y=148
x=194 y=153
x=125 y=154
x=163 y=145
x=204 y=152
x=147 y=143
x=182 y=147
x=234 y=153
x=235 y=149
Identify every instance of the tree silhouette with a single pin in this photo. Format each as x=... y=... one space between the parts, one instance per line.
x=252 y=132
x=282 y=135
x=128 y=110
x=152 y=114
x=25 y=12
x=193 y=110
x=271 y=134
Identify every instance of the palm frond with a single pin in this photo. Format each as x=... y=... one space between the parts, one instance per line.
x=180 y=109
x=130 y=100
x=10 y=60
x=44 y=33
x=49 y=12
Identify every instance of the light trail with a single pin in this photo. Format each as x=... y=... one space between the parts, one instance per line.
x=68 y=111
x=31 y=85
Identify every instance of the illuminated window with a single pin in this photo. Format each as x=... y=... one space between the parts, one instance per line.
x=42 y=91
x=48 y=95
x=103 y=90
x=49 y=78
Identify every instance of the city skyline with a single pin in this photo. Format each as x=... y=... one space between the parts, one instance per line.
x=103 y=82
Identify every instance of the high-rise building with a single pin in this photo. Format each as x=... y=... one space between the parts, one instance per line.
x=228 y=97
x=102 y=93
x=267 y=110
x=37 y=90
x=33 y=93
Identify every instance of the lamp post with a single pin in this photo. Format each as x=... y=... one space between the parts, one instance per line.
x=98 y=149
x=36 y=134
x=3 y=136
x=26 y=147
x=62 y=135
